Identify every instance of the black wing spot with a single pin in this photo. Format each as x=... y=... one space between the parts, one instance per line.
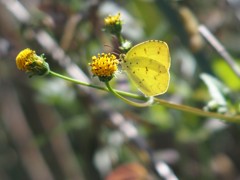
x=145 y=50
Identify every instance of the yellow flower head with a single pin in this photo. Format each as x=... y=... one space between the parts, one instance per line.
x=111 y=20
x=113 y=24
x=104 y=66
x=27 y=60
x=24 y=58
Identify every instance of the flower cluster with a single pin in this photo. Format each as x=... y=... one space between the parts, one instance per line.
x=27 y=60
x=113 y=24
x=104 y=66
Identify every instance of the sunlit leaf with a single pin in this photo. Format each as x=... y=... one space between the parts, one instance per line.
x=216 y=89
x=227 y=74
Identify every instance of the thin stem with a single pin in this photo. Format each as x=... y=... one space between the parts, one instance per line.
x=135 y=96
x=120 y=38
x=196 y=111
x=145 y=104
x=77 y=81
x=120 y=94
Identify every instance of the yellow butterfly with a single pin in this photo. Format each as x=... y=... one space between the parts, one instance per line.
x=147 y=65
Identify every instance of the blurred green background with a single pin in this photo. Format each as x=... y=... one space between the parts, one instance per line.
x=53 y=129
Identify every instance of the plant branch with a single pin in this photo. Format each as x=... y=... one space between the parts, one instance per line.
x=148 y=102
x=196 y=111
x=145 y=104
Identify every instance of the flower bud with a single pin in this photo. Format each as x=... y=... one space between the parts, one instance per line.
x=113 y=24
x=27 y=60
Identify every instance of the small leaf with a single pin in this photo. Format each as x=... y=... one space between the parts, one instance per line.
x=217 y=90
x=225 y=73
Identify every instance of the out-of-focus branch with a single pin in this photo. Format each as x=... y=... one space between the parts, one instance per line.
x=212 y=40
x=60 y=144
x=22 y=136
x=69 y=30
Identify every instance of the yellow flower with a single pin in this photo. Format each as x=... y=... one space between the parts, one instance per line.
x=27 y=60
x=113 y=24
x=104 y=66
x=111 y=20
x=24 y=58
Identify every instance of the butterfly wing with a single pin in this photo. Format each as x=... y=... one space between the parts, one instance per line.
x=147 y=65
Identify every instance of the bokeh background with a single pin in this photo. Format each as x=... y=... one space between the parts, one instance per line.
x=53 y=129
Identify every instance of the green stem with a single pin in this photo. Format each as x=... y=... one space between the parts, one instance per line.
x=145 y=104
x=120 y=38
x=76 y=81
x=120 y=94
x=196 y=111
x=135 y=96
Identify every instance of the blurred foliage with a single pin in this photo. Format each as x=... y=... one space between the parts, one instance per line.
x=69 y=129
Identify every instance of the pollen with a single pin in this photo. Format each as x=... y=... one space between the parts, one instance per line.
x=24 y=59
x=104 y=65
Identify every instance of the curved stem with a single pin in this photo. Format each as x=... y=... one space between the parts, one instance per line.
x=196 y=111
x=145 y=104
x=77 y=81
x=120 y=94
x=135 y=96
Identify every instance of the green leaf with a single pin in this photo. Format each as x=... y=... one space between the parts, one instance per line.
x=217 y=89
x=225 y=73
